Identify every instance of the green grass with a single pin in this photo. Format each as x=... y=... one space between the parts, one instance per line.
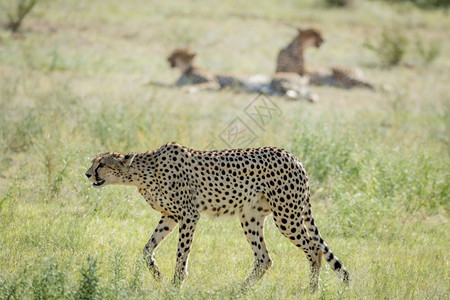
x=73 y=84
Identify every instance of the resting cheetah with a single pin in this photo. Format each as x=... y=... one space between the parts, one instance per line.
x=181 y=183
x=204 y=79
x=291 y=59
x=290 y=85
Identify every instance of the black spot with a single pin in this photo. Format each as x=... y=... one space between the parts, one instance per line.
x=337 y=265
x=330 y=257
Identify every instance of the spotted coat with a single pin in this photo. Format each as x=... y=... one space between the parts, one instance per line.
x=182 y=183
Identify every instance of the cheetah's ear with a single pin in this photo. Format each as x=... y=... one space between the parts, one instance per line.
x=192 y=55
x=128 y=159
x=300 y=31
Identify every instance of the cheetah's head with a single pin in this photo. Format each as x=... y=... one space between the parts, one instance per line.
x=310 y=37
x=110 y=168
x=180 y=58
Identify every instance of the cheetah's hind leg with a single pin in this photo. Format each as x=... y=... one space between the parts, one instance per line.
x=252 y=220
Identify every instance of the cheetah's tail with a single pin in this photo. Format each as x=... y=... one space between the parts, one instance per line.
x=332 y=260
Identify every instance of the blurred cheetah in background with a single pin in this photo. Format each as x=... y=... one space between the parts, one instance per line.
x=291 y=59
x=200 y=79
x=280 y=84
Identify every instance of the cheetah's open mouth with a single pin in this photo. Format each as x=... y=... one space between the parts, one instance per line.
x=99 y=183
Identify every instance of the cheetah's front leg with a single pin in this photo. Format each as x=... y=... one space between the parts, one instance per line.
x=163 y=229
x=187 y=227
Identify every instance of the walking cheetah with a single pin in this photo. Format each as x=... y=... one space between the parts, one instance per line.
x=182 y=183
x=290 y=85
x=291 y=59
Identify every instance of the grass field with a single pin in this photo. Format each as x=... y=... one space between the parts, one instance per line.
x=73 y=83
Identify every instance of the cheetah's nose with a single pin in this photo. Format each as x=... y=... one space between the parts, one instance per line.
x=88 y=175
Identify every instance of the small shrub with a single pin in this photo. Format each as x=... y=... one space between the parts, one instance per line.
x=50 y=283
x=16 y=12
x=88 y=287
x=426 y=3
x=337 y=3
x=19 y=135
x=324 y=153
x=429 y=53
x=118 y=273
x=8 y=290
x=15 y=285
x=136 y=281
x=390 y=47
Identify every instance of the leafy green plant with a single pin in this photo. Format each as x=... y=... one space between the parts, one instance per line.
x=390 y=46
x=14 y=286
x=49 y=283
x=88 y=286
